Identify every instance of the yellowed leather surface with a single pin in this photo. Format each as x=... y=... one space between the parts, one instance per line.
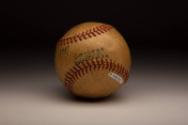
x=88 y=44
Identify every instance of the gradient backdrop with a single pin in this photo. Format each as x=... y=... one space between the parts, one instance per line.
x=157 y=91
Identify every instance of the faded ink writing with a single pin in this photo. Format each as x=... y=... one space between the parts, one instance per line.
x=91 y=54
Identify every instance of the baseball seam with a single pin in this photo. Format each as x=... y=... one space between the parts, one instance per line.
x=81 y=69
x=90 y=33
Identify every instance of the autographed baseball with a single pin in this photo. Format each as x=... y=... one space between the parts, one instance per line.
x=93 y=60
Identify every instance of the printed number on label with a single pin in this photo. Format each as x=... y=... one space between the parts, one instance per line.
x=116 y=77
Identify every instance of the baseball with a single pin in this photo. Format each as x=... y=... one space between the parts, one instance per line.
x=92 y=60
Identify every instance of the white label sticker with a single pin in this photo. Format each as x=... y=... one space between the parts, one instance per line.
x=116 y=77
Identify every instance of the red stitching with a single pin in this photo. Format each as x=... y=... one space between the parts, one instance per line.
x=102 y=64
x=111 y=65
x=93 y=32
x=87 y=66
x=84 y=67
x=79 y=70
x=75 y=39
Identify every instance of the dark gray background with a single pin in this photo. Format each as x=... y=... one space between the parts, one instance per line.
x=156 y=31
x=145 y=24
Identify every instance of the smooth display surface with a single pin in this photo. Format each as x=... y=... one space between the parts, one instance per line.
x=156 y=94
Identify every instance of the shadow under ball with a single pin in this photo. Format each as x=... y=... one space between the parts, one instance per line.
x=92 y=60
